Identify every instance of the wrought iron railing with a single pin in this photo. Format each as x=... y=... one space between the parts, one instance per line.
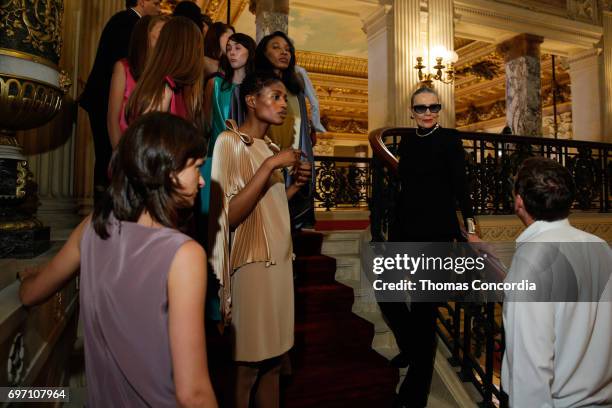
x=491 y=162
x=342 y=182
x=473 y=332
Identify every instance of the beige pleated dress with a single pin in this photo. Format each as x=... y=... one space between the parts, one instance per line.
x=257 y=296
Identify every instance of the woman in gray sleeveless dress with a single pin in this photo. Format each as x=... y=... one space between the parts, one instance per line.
x=142 y=282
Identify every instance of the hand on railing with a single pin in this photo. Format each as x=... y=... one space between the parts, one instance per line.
x=381 y=152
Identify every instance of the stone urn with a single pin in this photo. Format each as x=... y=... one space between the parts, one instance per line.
x=32 y=89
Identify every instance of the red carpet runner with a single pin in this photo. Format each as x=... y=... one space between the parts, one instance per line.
x=333 y=362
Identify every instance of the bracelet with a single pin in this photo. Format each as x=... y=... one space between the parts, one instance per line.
x=471 y=226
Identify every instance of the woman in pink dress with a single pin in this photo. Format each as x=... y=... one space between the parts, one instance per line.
x=172 y=80
x=127 y=71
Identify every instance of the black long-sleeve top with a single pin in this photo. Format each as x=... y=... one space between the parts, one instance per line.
x=113 y=45
x=433 y=182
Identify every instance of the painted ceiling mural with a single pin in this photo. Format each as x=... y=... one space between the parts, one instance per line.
x=311 y=29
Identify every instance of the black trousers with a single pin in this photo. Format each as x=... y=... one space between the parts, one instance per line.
x=414 y=329
x=102 y=151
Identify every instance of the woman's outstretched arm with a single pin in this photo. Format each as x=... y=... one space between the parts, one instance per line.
x=39 y=283
x=186 y=294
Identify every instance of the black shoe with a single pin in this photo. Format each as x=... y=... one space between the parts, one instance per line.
x=400 y=361
x=398 y=403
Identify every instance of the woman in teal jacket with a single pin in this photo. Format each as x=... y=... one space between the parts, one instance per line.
x=223 y=99
x=222 y=102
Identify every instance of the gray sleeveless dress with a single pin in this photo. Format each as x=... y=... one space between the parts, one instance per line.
x=124 y=311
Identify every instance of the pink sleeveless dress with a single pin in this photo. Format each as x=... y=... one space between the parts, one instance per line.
x=130 y=84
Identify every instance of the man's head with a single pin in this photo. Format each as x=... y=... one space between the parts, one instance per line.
x=206 y=22
x=190 y=10
x=544 y=191
x=145 y=7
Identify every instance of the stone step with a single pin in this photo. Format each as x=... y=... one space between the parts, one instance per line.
x=341 y=243
x=447 y=390
x=347 y=266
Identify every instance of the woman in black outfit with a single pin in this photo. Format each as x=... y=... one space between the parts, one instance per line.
x=433 y=181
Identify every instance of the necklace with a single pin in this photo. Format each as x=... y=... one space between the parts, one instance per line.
x=428 y=133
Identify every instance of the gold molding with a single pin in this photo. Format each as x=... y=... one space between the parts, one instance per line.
x=22 y=178
x=9 y=140
x=29 y=57
x=26 y=103
x=34 y=81
x=323 y=63
x=21 y=225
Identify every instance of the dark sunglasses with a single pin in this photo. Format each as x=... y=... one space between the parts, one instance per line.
x=421 y=109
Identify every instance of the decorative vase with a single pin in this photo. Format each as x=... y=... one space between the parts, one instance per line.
x=32 y=89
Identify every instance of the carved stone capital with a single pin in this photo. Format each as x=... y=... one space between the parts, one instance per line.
x=523 y=45
x=269 y=22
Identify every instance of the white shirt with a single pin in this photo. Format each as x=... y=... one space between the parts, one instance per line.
x=311 y=94
x=559 y=354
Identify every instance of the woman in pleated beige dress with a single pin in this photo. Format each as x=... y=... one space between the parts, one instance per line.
x=250 y=239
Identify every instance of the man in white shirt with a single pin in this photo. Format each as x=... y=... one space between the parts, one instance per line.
x=558 y=354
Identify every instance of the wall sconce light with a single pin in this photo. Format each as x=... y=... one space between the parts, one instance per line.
x=443 y=70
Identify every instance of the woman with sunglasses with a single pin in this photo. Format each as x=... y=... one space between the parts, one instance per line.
x=433 y=179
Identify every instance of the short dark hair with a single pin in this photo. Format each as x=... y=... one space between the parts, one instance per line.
x=290 y=78
x=207 y=20
x=254 y=82
x=212 y=48
x=155 y=147
x=546 y=187
x=130 y=3
x=190 y=10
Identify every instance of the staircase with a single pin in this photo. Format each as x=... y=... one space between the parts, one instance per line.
x=447 y=391
x=333 y=362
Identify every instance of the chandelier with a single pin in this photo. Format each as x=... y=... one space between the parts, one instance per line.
x=442 y=66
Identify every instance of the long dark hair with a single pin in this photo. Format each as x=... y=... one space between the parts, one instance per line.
x=212 y=47
x=178 y=54
x=153 y=149
x=139 y=43
x=247 y=42
x=290 y=78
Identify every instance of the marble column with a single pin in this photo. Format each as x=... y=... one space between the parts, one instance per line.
x=441 y=32
x=270 y=16
x=585 y=81
x=379 y=30
x=607 y=75
x=523 y=84
x=406 y=46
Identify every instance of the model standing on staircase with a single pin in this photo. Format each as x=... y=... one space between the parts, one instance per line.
x=433 y=180
x=250 y=239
